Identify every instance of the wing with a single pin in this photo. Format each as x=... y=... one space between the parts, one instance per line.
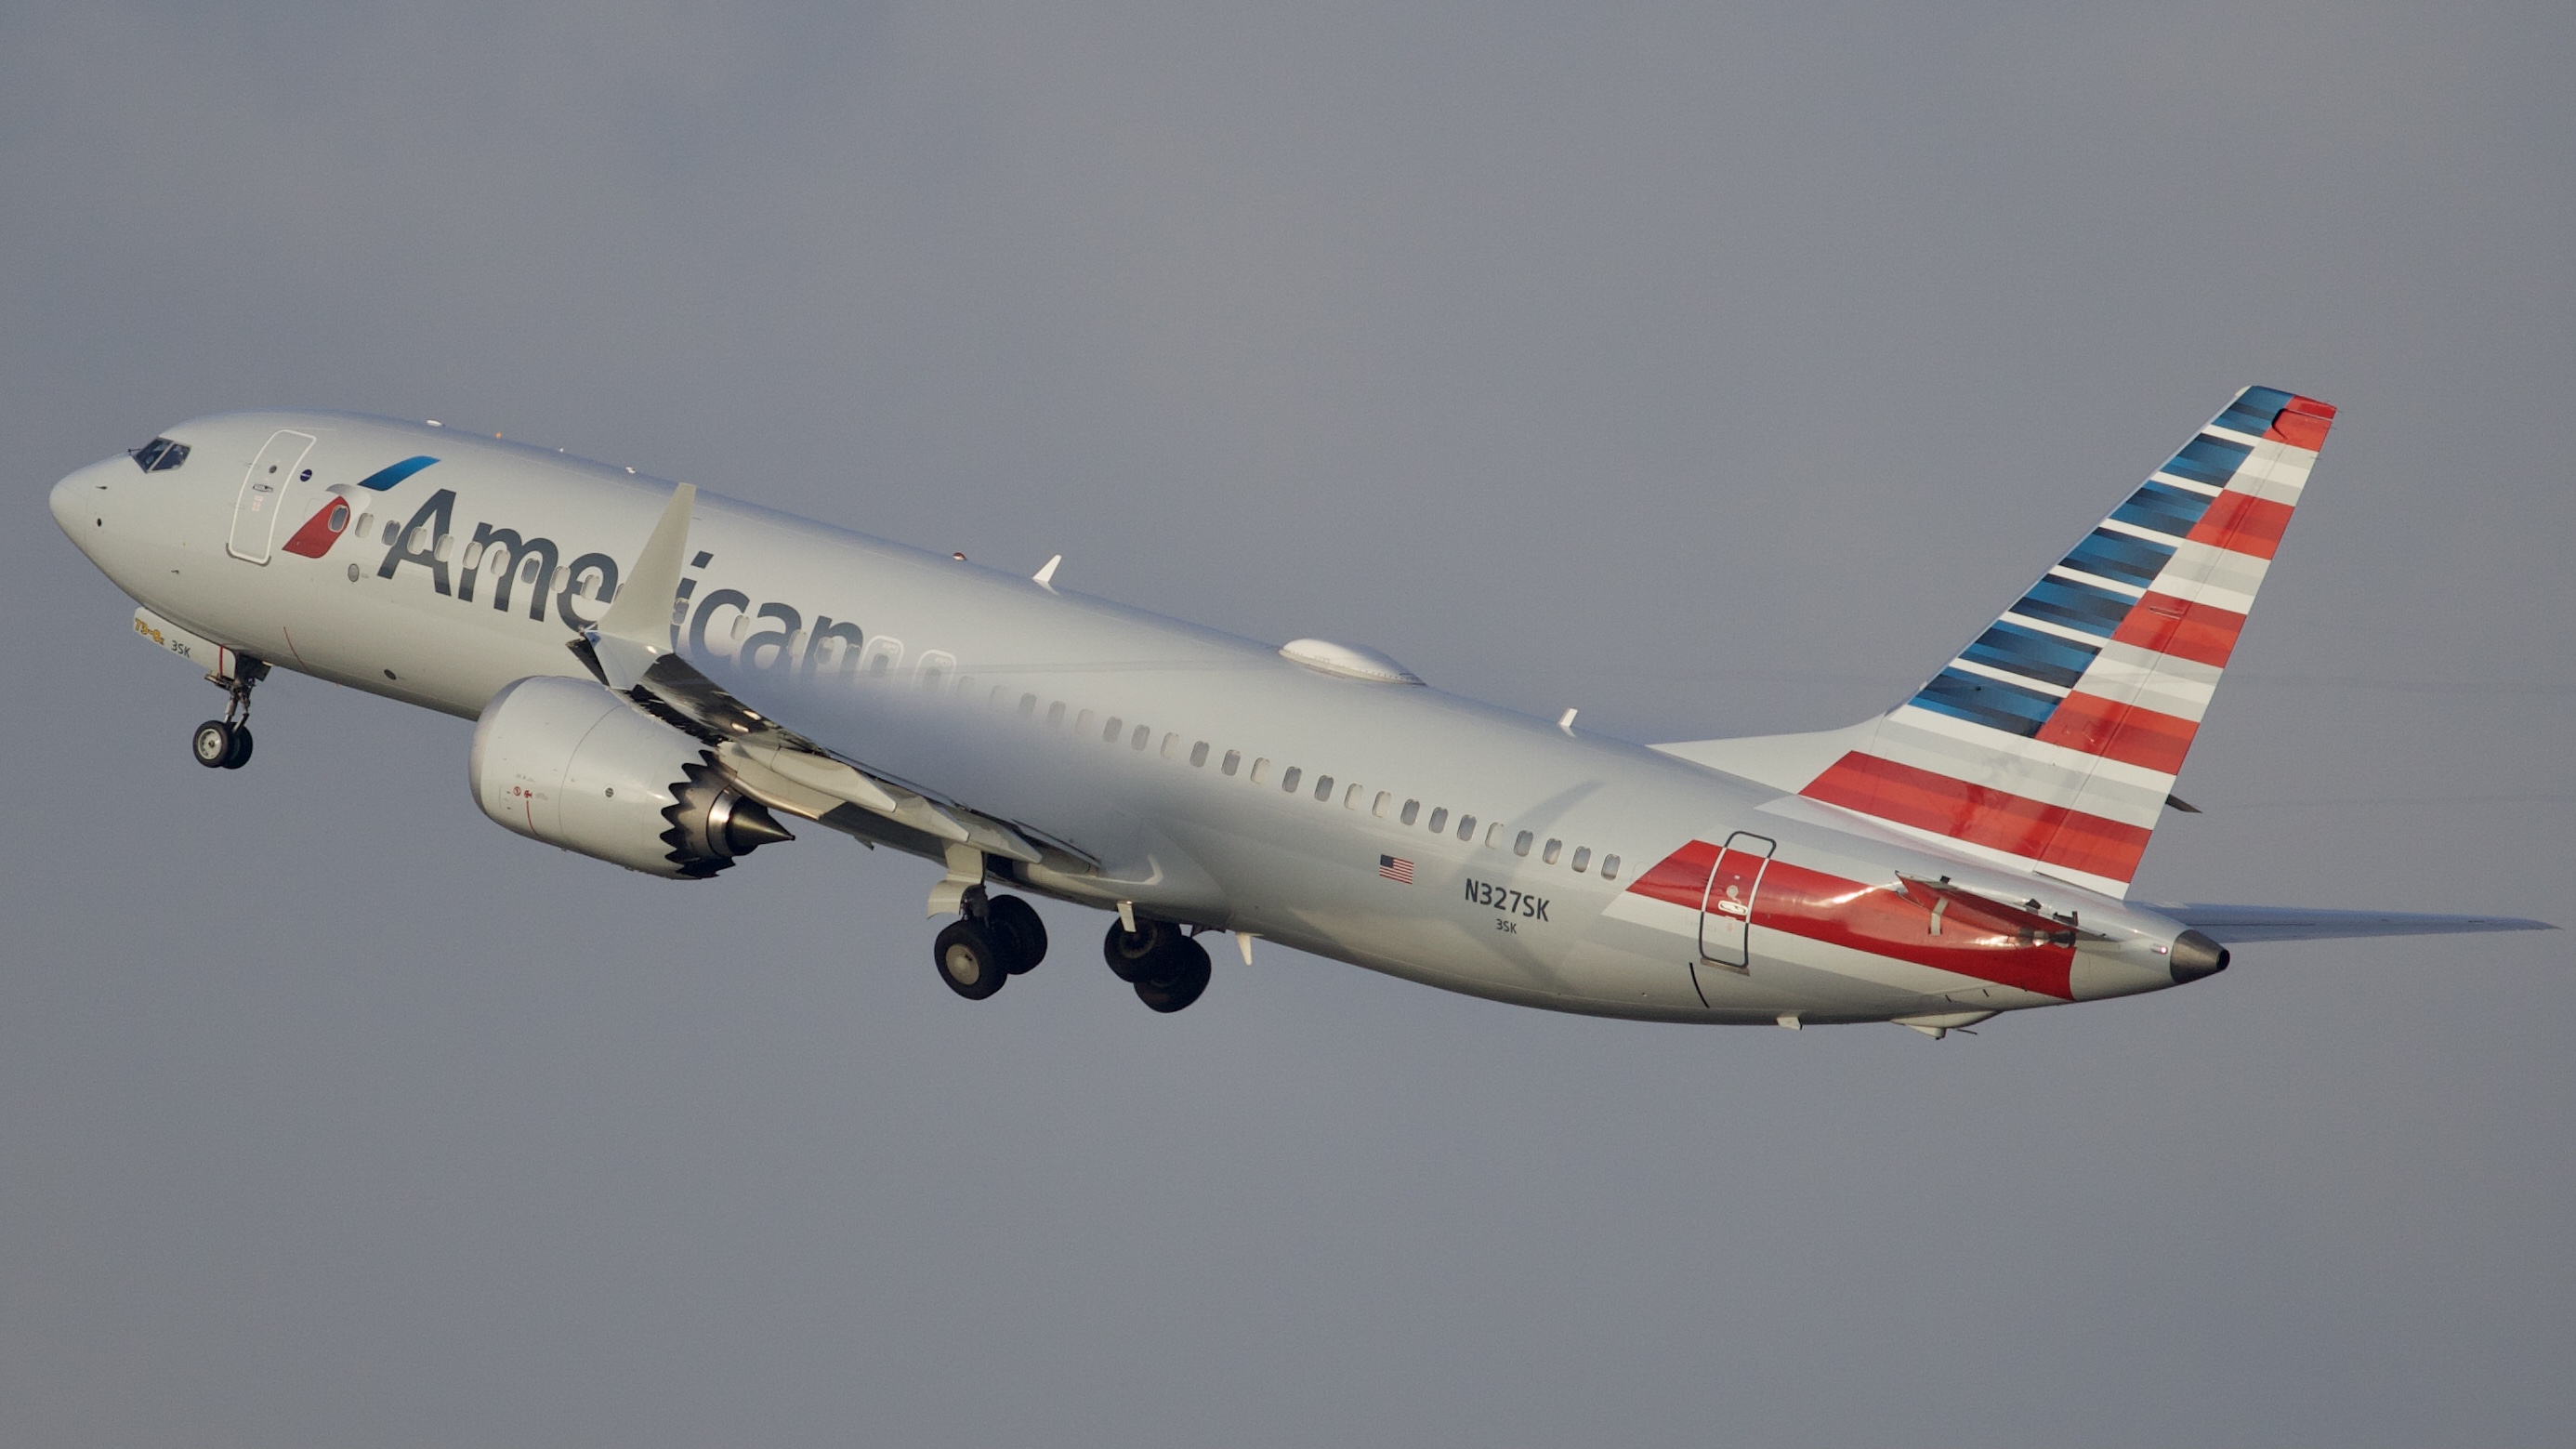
x=2236 y=925
x=631 y=651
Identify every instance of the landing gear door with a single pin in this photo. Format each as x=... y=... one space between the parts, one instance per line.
x=263 y=495
x=1726 y=912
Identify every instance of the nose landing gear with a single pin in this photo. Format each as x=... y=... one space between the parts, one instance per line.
x=225 y=744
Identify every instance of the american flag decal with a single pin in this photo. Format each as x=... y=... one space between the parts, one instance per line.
x=1395 y=868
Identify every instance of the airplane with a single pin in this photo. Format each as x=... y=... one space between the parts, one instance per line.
x=662 y=678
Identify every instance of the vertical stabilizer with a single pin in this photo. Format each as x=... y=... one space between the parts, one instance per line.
x=2051 y=741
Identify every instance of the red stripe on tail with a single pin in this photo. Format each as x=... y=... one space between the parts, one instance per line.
x=2303 y=424
x=2123 y=732
x=1992 y=818
x=2163 y=624
x=2244 y=523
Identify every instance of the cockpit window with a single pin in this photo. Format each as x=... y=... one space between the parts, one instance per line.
x=160 y=455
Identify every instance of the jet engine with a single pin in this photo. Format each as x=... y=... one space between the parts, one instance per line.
x=570 y=763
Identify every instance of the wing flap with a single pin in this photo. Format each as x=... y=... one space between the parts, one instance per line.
x=2239 y=925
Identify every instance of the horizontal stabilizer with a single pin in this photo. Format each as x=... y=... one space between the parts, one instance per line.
x=2237 y=925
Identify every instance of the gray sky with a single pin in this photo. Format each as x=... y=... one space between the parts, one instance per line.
x=1715 y=372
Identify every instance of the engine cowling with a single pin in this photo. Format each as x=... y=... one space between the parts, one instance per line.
x=567 y=762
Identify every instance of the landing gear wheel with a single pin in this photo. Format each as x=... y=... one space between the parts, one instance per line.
x=1181 y=985
x=970 y=960
x=1143 y=954
x=213 y=745
x=239 y=754
x=1017 y=921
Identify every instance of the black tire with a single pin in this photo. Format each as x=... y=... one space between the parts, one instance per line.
x=970 y=960
x=1018 y=920
x=1143 y=954
x=239 y=754
x=1183 y=984
x=212 y=744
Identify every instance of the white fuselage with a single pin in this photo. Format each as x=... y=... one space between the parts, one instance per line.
x=1102 y=727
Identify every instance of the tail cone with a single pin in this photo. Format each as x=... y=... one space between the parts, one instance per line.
x=2195 y=956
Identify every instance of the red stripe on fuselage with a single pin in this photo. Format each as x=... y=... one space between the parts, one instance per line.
x=2163 y=624
x=2122 y=732
x=1818 y=906
x=2243 y=523
x=1996 y=819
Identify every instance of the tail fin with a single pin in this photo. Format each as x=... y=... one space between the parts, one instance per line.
x=2050 y=742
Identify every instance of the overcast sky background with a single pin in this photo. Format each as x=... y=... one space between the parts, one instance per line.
x=1716 y=370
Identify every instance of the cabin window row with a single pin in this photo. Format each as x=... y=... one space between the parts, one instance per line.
x=1294 y=781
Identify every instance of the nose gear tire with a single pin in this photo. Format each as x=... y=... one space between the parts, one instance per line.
x=212 y=744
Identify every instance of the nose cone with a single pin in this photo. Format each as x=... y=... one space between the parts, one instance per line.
x=2195 y=956
x=65 y=501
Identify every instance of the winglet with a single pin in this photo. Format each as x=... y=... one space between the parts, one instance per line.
x=1045 y=578
x=637 y=629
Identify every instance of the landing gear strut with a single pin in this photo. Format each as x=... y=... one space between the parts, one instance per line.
x=993 y=939
x=1168 y=970
x=225 y=744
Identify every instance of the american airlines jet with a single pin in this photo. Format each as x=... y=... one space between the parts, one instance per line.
x=662 y=679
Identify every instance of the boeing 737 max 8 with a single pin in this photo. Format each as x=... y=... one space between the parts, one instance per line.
x=660 y=678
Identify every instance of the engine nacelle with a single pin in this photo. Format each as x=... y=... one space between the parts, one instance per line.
x=567 y=762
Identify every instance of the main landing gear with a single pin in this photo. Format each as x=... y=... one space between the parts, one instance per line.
x=225 y=744
x=997 y=938
x=1168 y=970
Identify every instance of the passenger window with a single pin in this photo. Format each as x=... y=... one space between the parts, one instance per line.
x=445 y=549
x=1110 y=732
x=1378 y=809
x=1521 y=845
x=1261 y=769
x=1439 y=819
x=1232 y=759
x=1323 y=787
x=1055 y=714
x=1351 y=800
x=1466 y=827
x=1082 y=723
x=393 y=533
x=1549 y=855
x=1028 y=706
x=965 y=682
x=1198 y=758
x=1287 y=782
x=1582 y=857
x=366 y=524
x=1494 y=836
x=1171 y=747
x=1609 y=867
